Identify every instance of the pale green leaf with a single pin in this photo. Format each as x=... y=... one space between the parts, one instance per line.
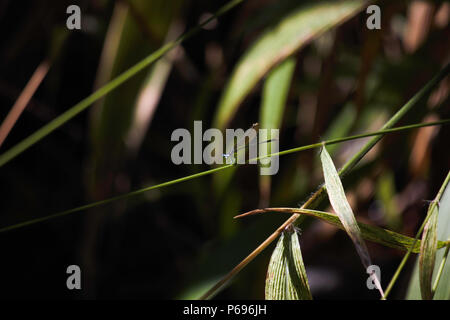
x=300 y=286
x=275 y=93
x=428 y=254
x=286 y=275
x=443 y=233
x=372 y=233
x=276 y=44
x=342 y=208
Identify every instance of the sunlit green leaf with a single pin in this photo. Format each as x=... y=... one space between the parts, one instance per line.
x=443 y=233
x=278 y=43
x=275 y=92
x=286 y=275
x=341 y=206
x=428 y=254
x=372 y=233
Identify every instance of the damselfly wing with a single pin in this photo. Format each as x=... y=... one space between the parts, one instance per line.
x=243 y=142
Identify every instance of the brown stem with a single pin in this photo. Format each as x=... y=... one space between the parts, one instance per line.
x=23 y=100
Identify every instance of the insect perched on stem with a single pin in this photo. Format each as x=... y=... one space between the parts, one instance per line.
x=244 y=141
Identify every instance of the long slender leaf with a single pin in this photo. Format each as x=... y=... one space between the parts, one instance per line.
x=442 y=288
x=443 y=233
x=340 y=204
x=276 y=274
x=275 y=92
x=440 y=271
x=372 y=233
x=286 y=275
x=207 y=172
x=427 y=255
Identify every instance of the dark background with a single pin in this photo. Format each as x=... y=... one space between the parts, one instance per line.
x=163 y=244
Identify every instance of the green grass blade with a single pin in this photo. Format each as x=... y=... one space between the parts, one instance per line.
x=423 y=92
x=441 y=268
x=286 y=276
x=316 y=198
x=208 y=172
x=375 y=234
x=110 y=86
x=442 y=290
x=300 y=280
x=441 y=287
x=339 y=202
x=109 y=200
x=275 y=92
x=358 y=136
x=427 y=255
x=276 y=273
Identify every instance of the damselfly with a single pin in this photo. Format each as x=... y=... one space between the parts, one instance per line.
x=244 y=141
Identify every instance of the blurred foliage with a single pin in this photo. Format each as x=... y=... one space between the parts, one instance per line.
x=340 y=79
